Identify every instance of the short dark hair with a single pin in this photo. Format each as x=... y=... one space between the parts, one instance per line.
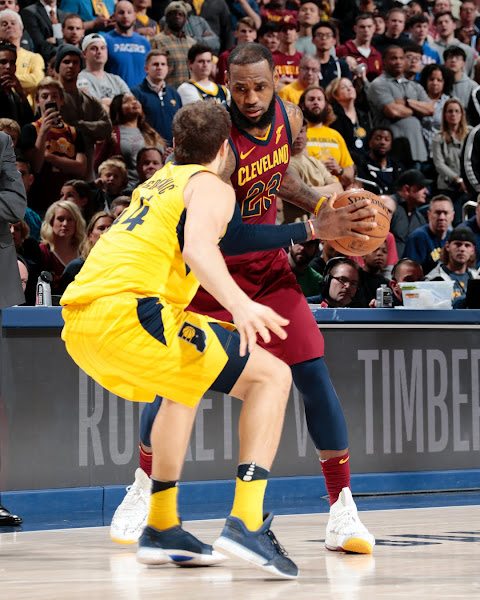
x=249 y=54
x=422 y=18
x=378 y=128
x=6 y=46
x=20 y=158
x=363 y=16
x=145 y=149
x=199 y=130
x=197 y=49
x=447 y=76
x=267 y=27
x=416 y=48
x=454 y=51
x=392 y=47
x=327 y=24
x=71 y=15
x=409 y=262
x=442 y=14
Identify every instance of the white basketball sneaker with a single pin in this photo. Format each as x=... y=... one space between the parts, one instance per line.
x=345 y=531
x=130 y=518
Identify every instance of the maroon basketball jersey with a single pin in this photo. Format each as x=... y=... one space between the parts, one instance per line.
x=261 y=165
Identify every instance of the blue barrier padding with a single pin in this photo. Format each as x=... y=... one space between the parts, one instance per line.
x=203 y=495
x=51 y=316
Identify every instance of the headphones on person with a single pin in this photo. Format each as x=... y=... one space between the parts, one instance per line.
x=327 y=273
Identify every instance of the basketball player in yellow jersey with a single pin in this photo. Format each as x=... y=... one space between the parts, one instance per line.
x=126 y=326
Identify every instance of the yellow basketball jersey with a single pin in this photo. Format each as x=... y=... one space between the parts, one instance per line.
x=142 y=252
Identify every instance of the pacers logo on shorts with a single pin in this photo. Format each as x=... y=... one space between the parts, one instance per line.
x=193 y=335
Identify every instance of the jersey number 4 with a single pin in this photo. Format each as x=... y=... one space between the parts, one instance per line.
x=260 y=197
x=137 y=217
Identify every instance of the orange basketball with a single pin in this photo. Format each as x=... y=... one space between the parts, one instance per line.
x=351 y=246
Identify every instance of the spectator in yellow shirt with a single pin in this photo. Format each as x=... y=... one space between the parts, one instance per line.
x=30 y=65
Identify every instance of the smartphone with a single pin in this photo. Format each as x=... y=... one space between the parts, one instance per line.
x=55 y=107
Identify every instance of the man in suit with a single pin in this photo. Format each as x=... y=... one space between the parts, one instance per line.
x=13 y=203
x=43 y=21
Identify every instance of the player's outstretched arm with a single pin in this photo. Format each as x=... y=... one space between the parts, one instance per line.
x=210 y=204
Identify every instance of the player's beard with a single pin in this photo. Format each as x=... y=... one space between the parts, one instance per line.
x=242 y=122
x=315 y=118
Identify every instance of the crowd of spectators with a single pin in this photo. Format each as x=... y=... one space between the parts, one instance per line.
x=389 y=90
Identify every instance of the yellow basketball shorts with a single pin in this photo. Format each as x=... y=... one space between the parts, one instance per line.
x=139 y=348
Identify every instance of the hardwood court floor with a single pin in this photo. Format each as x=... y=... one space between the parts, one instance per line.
x=426 y=553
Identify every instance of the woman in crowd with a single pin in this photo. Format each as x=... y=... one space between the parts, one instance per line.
x=63 y=230
x=351 y=122
x=437 y=81
x=80 y=193
x=131 y=133
x=447 y=146
x=99 y=223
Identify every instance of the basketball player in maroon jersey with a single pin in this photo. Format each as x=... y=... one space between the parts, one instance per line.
x=263 y=130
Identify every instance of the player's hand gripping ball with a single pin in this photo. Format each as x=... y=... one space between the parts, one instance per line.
x=351 y=246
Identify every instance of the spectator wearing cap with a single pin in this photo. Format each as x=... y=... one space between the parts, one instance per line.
x=88 y=114
x=412 y=192
x=53 y=146
x=126 y=49
x=174 y=43
x=93 y=79
x=160 y=101
x=308 y=71
x=197 y=28
x=360 y=47
x=287 y=58
x=457 y=261
x=324 y=36
x=13 y=100
x=95 y=15
x=308 y=16
x=30 y=66
x=455 y=59
x=43 y=21
x=426 y=242
x=246 y=31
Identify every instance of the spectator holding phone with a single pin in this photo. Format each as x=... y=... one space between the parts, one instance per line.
x=55 y=149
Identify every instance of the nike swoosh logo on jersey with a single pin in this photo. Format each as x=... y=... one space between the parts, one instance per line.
x=244 y=155
x=343 y=461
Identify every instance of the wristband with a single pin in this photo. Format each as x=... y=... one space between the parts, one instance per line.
x=342 y=170
x=319 y=204
x=312 y=229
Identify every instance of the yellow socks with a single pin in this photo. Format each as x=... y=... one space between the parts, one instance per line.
x=163 y=505
x=249 y=492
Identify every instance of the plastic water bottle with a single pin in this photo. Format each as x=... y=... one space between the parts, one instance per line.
x=384 y=296
x=44 y=289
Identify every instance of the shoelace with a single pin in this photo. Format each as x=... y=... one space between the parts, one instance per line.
x=280 y=549
x=134 y=493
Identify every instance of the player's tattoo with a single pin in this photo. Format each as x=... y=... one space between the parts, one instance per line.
x=295 y=191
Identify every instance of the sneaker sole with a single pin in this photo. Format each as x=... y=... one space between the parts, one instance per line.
x=235 y=550
x=355 y=545
x=153 y=557
x=181 y=558
x=123 y=542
